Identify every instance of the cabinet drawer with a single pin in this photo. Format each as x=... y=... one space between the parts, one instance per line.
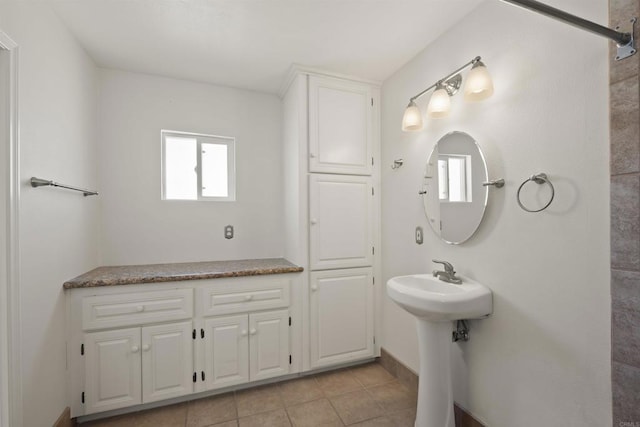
x=108 y=311
x=239 y=297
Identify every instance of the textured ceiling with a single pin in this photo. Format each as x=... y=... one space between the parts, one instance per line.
x=252 y=43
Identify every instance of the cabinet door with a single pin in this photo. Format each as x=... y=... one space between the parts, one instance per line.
x=226 y=354
x=268 y=344
x=341 y=229
x=167 y=361
x=341 y=309
x=340 y=126
x=112 y=370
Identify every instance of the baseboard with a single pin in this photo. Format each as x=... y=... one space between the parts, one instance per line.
x=64 y=420
x=410 y=379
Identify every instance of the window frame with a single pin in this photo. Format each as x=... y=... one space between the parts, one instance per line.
x=201 y=138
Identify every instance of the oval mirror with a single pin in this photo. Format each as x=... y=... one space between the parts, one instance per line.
x=453 y=195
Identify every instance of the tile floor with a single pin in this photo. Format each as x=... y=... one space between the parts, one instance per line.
x=365 y=395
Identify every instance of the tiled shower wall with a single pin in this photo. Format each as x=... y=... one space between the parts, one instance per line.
x=625 y=225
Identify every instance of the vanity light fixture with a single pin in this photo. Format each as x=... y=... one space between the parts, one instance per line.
x=478 y=86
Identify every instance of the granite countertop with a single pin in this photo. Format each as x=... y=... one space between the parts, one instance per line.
x=156 y=273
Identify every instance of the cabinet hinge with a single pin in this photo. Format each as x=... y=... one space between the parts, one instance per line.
x=81 y=349
x=195 y=377
x=373 y=250
x=289 y=359
x=289 y=320
x=194 y=334
x=202 y=374
x=82 y=398
x=372 y=161
x=372 y=191
x=202 y=333
x=372 y=102
x=374 y=280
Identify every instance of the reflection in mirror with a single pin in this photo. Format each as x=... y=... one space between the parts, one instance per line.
x=454 y=197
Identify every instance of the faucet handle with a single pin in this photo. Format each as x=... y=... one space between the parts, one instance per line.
x=447 y=265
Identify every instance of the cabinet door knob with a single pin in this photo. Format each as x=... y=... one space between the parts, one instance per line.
x=252 y=331
x=146 y=347
x=140 y=308
x=243 y=333
x=312 y=155
x=248 y=297
x=135 y=349
x=314 y=288
x=314 y=221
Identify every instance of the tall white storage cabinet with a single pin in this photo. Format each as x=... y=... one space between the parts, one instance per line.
x=332 y=211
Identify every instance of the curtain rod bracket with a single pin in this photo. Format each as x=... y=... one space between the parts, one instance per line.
x=629 y=49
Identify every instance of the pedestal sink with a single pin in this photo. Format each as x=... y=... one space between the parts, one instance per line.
x=435 y=304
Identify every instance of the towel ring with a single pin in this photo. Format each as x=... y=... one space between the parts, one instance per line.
x=540 y=178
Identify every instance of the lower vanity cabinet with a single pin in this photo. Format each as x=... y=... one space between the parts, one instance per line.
x=125 y=367
x=146 y=343
x=341 y=316
x=245 y=347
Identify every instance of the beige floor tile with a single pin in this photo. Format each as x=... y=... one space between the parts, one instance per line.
x=372 y=374
x=403 y=418
x=311 y=414
x=277 y=418
x=356 y=406
x=257 y=400
x=393 y=396
x=338 y=382
x=167 y=416
x=233 y=423
x=299 y=391
x=376 y=422
x=119 y=421
x=211 y=410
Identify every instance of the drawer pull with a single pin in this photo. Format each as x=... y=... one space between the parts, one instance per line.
x=248 y=297
x=252 y=331
x=314 y=221
x=140 y=308
x=314 y=288
x=146 y=347
x=243 y=333
x=135 y=349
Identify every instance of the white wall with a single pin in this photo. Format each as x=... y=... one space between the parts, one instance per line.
x=543 y=358
x=138 y=227
x=58 y=228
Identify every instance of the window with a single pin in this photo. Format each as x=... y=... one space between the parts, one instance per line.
x=454 y=178
x=198 y=167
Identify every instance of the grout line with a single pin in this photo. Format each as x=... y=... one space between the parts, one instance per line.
x=616 y=175
x=629 y=77
x=627 y=270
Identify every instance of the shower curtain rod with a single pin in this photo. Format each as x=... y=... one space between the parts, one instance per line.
x=625 y=41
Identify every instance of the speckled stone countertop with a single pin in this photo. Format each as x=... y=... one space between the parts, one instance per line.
x=156 y=273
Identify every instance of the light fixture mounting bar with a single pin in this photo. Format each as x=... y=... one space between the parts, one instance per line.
x=447 y=77
x=625 y=41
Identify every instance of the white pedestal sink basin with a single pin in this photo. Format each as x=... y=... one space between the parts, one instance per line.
x=436 y=304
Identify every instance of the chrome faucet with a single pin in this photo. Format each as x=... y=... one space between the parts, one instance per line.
x=448 y=275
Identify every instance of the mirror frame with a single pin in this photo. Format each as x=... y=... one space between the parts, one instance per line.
x=486 y=189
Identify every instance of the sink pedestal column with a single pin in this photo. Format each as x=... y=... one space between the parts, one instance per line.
x=435 y=395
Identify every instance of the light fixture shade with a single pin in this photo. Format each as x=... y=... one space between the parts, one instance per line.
x=479 y=85
x=412 y=119
x=439 y=104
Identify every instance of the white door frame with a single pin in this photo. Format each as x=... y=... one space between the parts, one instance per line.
x=10 y=366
